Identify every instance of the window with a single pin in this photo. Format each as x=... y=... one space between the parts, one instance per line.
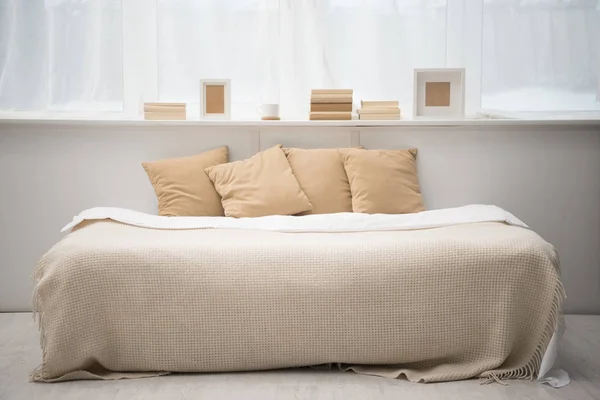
x=373 y=47
x=217 y=39
x=541 y=55
x=278 y=52
x=111 y=55
x=61 y=55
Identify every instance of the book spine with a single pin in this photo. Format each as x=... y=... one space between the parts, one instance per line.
x=331 y=96
x=391 y=111
x=163 y=109
x=376 y=117
x=348 y=118
x=344 y=107
x=338 y=100
x=379 y=104
x=332 y=91
x=330 y=116
x=154 y=116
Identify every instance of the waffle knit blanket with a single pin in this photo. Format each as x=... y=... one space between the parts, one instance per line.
x=478 y=299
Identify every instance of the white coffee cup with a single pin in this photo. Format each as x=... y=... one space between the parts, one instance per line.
x=268 y=110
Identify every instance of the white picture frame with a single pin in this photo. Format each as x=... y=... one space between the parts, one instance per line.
x=211 y=107
x=446 y=97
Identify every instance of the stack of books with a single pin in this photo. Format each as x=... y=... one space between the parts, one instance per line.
x=162 y=111
x=330 y=104
x=374 y=110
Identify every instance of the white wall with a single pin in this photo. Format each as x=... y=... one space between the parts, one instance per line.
x=549 y=176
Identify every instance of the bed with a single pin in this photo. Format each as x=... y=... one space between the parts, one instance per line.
x=434 y=296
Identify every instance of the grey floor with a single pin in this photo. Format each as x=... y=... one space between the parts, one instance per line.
x=19 y=354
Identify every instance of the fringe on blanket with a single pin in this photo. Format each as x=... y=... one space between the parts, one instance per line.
x=531 y=368
x=38 y=317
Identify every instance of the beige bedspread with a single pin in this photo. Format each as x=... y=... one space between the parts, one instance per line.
x=472 y=300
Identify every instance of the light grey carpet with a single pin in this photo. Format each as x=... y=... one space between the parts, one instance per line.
x=19 y=354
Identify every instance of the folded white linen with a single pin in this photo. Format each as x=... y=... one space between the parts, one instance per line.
x=341 y=222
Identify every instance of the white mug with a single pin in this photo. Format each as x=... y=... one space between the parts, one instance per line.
x=268 y=110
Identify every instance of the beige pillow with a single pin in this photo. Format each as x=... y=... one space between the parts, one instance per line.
x=322 y=177
x=261 y=185
x=384 y=181
x=182 y=186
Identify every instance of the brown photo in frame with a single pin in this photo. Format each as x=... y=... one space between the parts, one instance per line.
x=215 y=100
x=439 y=93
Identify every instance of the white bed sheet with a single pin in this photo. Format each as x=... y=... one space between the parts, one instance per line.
x=340 y=222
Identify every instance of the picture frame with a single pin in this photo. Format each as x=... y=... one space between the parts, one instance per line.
x=215 y=99
x=439 y=93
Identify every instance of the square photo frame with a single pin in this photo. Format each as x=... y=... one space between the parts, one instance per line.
x=439 y=93
x=215 y=99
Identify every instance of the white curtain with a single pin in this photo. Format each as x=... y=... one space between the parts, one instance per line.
x=61 y=55
x=67 y=55
x=276 y=51
x=541 y=54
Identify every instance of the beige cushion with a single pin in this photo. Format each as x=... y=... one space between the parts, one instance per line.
x=321 y=175
x=182 y=186
x=261 y=185
x=384 y=181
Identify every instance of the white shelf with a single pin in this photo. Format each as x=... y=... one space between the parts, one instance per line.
x=304 y=123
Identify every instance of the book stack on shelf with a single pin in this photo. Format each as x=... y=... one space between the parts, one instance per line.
x=164 y=111
x=377 y=110
x=330 y=104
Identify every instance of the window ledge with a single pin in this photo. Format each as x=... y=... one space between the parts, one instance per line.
x=482 y=118
x=493 y=121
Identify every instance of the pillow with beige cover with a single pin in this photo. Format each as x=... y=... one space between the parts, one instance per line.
x=384 y=181
x=261 y=185
x=183 y=188
x=321 y=175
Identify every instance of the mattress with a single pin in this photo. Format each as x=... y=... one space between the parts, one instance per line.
x=435 y=296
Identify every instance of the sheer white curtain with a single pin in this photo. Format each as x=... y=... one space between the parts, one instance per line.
x=541 y=55
x=276 y=51
x=61 y=55
x=110 y=55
